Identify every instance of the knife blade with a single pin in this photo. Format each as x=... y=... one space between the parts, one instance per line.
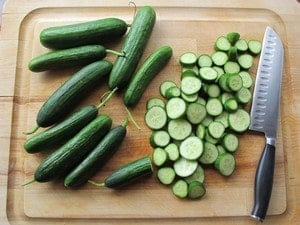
x=264 y=117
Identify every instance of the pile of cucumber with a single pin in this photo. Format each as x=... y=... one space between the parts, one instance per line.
x=196 y=124
x=83 y=139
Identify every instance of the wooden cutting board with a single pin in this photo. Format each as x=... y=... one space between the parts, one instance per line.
x=23 y=93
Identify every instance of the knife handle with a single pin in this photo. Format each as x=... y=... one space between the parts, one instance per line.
x=263 y=182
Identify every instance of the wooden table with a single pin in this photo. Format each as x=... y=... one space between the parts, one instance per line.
x=21 y=96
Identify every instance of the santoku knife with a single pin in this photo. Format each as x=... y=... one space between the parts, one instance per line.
x=264 y=117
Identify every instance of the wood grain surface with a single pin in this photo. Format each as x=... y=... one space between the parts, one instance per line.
x=185 y=27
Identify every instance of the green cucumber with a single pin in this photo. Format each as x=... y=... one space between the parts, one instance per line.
x=149 y=69
x=67 y=95
x=69 y=155
x=91 y=32
x=133 y=47
x=127 y=173
x=77 y=56
x=62 y=131
x=97 y=157
x=65 y=129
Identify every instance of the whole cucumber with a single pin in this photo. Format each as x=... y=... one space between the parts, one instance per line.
x=62 y=131
x=66 y=96
x=97 y=157
x=65 y=158
x=92 y=32
x=77 y=56
x=133 y=47
x=127 y=173
x=148 y=70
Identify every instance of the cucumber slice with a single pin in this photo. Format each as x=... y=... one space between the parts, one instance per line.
x=175 y=108
x=184 y=167
x=208 y=74
x=159 y=138
x=241 y=45
x=166 y=175
x=219 y=58
x=155 y=102
x=254 y=46
x=230 y=142
x=222 y=44
x=191 y=148
x=239 y=121
x=245 y=61
x=190 y=85
x=159 y=156
x=225 y=164
x=204 y=60
x=246 y=78
x=179 y=129
x=196 y=190
x=243 y=95
x=210 y=154
x=180 y=189
x=188 y=59
x=156 y=118
x=216 y=129
x=195 y=113
x=214 y=107
x=172 y=151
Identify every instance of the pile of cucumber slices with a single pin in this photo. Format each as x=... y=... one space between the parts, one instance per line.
x=196 y=124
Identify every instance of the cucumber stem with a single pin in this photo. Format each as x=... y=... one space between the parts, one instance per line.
x=125 y=122
x=29 y=182
x=108 y=95
x=122 y=54
x=132 y=119
x=96 y=184
x=33 y=130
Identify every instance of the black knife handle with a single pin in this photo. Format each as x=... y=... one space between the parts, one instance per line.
x=263 y=183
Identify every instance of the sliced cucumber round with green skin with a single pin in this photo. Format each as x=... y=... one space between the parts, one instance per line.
x=243 y=95
x=155 y=102
x=254 y=46
x=204 y=60
x=219 y=58
x=208 y=74
x=191 y=148
x=210 y=154
x=245 y=61
x=225 y=164
x=241 y=45
x=172 y=151
x=159 y=156
x=159 y=138
x=239 y=121
x=166 y=175
x=190 y=85
x=179 y=129
x=196 y=190
x=230 y=142
x=234 y=82
x=175 y=108
x=195 y=113
x=180 y=189
x=156 y=118
x=247 y=79
x=216 y=129
x=214 y=107
x=188 y=59
x=222 y=44
x=184 y=167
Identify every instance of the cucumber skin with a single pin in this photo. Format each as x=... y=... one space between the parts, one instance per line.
x=65 y=58
x=65 y=158
x=129 y=173
x=61 y=131
x=96 y=158
x=67 y=95
x=149 y=69
x=92 y=32
x=133 y=47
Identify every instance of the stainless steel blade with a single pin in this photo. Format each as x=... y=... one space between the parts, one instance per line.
x=266 y=97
